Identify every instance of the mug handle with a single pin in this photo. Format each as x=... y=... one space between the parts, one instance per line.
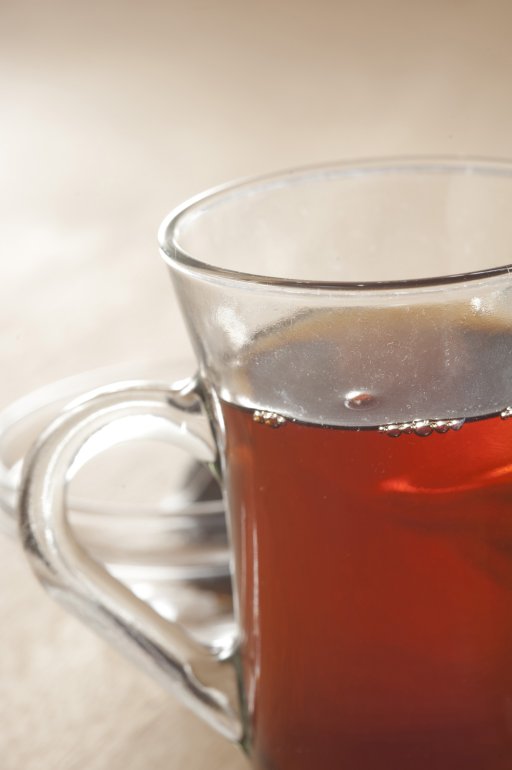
x=203 y=677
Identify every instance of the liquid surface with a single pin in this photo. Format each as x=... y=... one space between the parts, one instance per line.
x=367 y=366
x=375 y=589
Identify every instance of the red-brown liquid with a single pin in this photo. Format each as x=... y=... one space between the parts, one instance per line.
x=375 y=589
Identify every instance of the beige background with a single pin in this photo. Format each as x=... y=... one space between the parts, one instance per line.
x=112 y=113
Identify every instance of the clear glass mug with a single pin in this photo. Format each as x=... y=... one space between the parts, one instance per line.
x=353 y=332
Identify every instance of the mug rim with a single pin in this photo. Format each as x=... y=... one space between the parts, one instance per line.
x=179 y=259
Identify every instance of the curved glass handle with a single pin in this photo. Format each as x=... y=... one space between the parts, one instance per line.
x=203 y=677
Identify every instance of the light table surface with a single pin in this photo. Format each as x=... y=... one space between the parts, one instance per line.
x=112 y=113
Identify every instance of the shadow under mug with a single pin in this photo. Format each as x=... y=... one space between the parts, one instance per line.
x=353 y=332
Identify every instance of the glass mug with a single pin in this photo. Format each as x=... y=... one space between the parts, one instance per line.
x=353 y=332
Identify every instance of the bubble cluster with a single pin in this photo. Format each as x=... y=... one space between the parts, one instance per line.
x=421 y=427
x=272 y=419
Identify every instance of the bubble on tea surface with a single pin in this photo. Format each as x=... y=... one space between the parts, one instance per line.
x=359 y=399
x=393 y=431
x=422 y=428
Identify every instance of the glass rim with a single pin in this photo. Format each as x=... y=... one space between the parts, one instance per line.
x=178 y=258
